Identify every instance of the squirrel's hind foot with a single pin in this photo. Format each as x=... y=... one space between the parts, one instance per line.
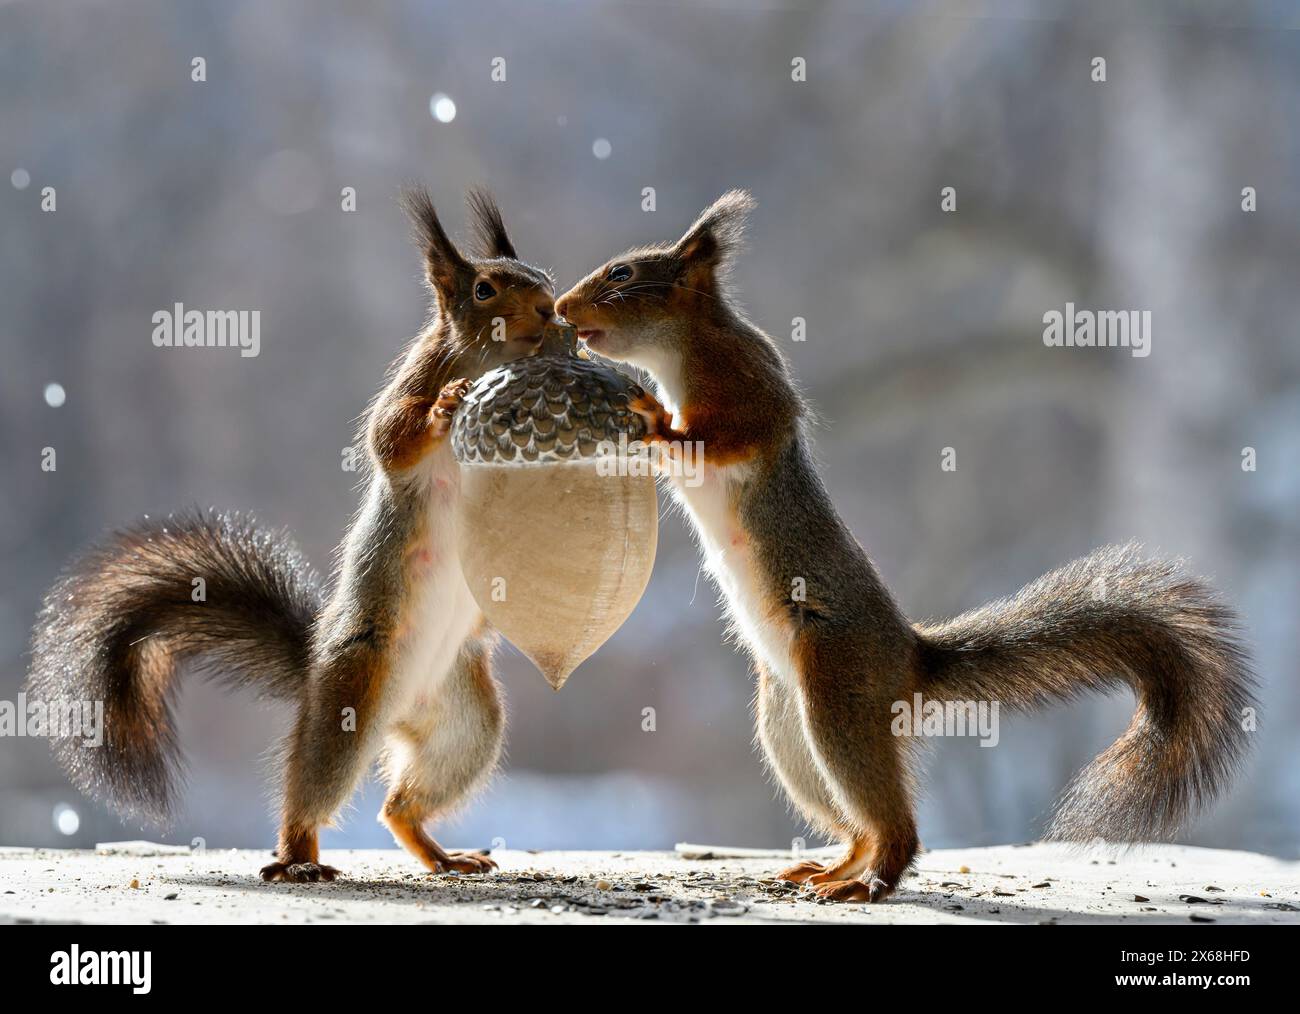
x=801 y=872
x=870 y=891
x=467 y=862
x=299 y=873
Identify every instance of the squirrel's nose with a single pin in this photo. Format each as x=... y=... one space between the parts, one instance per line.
x=545 y=310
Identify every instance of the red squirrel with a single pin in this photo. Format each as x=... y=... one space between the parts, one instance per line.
x=394 y=661
x=832 y=650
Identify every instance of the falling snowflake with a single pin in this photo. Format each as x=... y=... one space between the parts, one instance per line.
x=442 y=107
x=66 y=819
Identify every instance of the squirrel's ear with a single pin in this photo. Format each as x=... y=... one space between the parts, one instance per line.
x=444 y=265
x=718 y=232
x=488 y=226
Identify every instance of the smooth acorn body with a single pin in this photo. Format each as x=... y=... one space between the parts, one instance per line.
x=557 y=522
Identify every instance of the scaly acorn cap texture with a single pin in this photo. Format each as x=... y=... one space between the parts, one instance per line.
x=553 y=406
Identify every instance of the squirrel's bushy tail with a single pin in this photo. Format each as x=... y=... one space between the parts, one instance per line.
x=120 y=619
x=1108 y=619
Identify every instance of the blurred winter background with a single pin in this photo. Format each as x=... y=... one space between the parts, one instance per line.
x=924 y=332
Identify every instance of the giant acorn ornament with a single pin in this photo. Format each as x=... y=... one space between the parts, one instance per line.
x=556 y=534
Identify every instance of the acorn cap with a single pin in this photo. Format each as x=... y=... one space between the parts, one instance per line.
x=553 y=406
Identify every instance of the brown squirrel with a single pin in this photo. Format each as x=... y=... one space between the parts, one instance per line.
x=831 y=648
x=398 y=658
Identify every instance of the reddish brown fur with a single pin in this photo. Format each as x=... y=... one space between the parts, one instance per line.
x=406 y=821
x=362 y=631
x=824 y=717
x=115 y=627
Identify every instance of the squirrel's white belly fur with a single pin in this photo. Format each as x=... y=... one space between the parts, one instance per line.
x=723 y=543
x=441 y=612
x=729 y=559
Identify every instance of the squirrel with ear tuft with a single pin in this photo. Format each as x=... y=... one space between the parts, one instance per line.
x=395 y=659
x=832 y=650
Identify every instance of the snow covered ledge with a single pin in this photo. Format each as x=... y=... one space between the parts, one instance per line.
x=143 y=883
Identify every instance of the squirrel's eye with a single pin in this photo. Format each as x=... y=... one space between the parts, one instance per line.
x=620 y=272
x=484 y=290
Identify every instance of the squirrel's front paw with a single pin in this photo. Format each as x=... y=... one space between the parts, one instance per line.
x=658 y=420
x=449 y=399
x=299 y=873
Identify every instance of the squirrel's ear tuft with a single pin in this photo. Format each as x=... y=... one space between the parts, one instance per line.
x=488 y=225
x=719 y=231
x=444 y=265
